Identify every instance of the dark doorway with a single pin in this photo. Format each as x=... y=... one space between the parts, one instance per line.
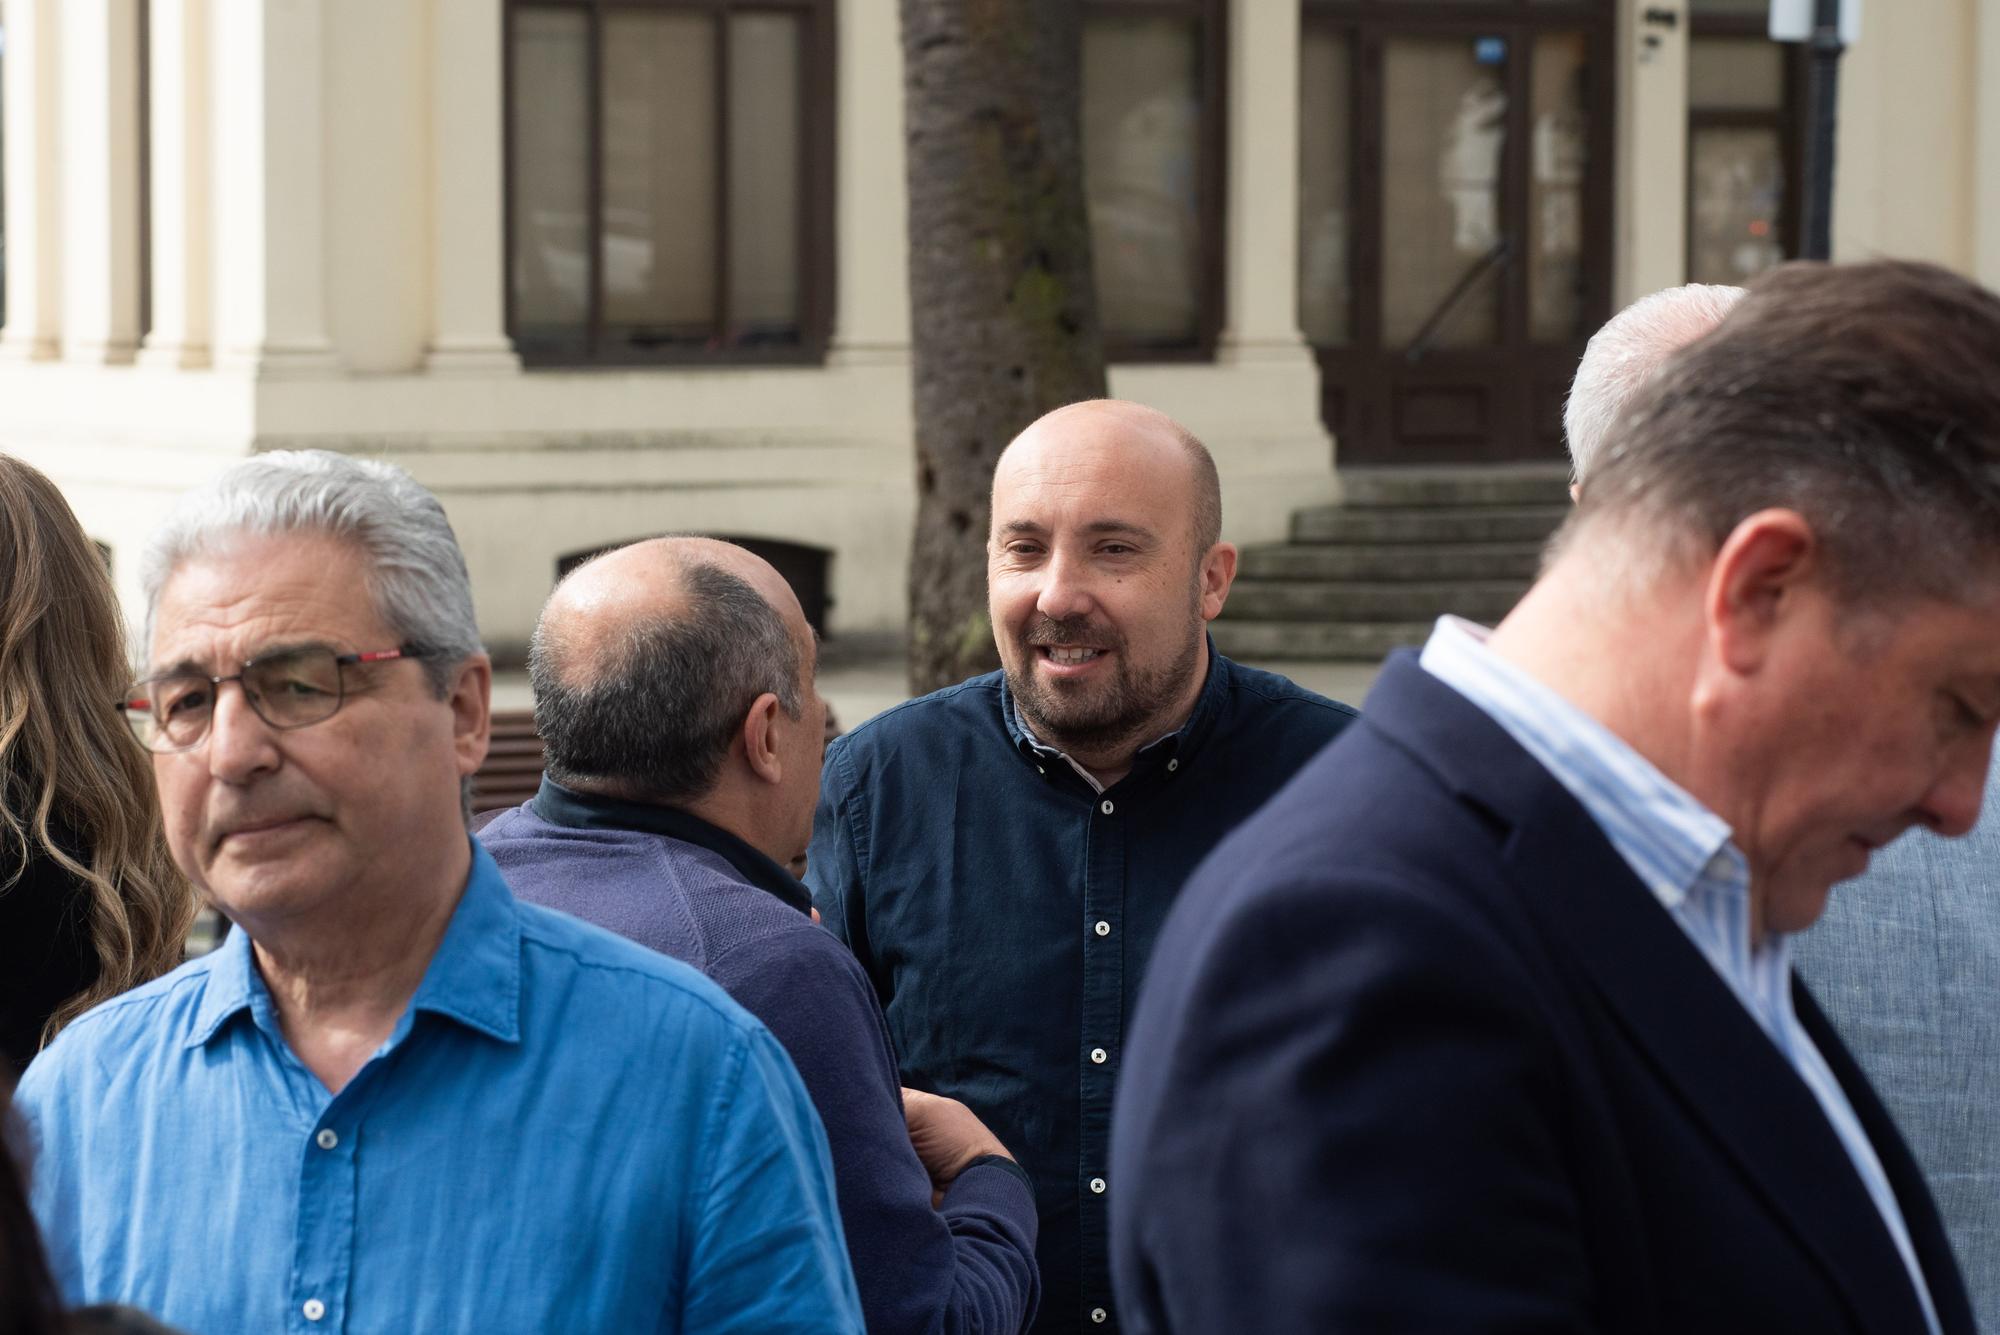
x=1455 y=219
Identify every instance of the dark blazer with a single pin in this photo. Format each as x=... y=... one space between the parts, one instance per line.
x=1419 y=1053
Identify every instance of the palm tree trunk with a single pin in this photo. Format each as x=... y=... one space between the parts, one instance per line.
x=1003 y=312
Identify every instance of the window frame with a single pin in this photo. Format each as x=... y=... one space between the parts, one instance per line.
x=817 y=184
x=1211 y=176
x=1788 y=118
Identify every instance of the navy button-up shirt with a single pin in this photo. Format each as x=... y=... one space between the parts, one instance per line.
x=1005 y=910
x=565 y=1132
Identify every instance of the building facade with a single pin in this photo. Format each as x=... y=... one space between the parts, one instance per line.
x=600 y=269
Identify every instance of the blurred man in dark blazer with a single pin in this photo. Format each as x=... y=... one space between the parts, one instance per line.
x=1906 y=959
x=1486 y=1022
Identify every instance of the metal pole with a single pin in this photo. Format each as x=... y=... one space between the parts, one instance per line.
x=1823 y=84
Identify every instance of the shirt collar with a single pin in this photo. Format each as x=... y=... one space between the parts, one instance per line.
x=473 y=978
x=1214 y=689
x=592 y=811
x=1669 y=839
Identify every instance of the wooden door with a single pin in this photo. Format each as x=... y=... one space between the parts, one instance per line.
x=1455 y=219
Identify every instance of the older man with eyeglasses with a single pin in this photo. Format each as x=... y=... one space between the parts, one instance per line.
x=397 y=1099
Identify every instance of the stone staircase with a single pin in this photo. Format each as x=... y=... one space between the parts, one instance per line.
x=1405 y=546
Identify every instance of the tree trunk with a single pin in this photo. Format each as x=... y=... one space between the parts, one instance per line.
x=1003 y=312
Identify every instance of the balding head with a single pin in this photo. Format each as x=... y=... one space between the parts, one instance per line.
x=1120 y=439
x=1104 y=568
x=1627 y=352
x=646 y=658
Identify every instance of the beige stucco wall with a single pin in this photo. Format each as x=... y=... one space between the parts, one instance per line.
x=329 y=254
x=1903 y=177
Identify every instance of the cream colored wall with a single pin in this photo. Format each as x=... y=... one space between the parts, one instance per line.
x=1986 y=145
x=378 y=169
x=327 y=204
x=1650 y=214
x=1904 y=172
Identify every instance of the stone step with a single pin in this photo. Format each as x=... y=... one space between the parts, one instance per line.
x=1354 y=640
x=1505 y=484
x=1472 y=524
x=1412 y=561
x=1484 y=601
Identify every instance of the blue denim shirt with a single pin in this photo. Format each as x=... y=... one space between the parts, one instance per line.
x=565 y=1132
x=1005 y=911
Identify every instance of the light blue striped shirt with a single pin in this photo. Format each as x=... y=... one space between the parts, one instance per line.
x=1684 y=854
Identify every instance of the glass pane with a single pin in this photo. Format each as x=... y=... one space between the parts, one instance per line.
x=1736 y=74
x=1737 y=201
x=764 y=162
x=550 y=266
x=1325 y=116
x=1141 y=159
x=1444 y=126
x=1558 y=161
x=659 y=178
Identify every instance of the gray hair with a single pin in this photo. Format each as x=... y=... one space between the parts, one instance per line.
x=1627 y=352
x=1860 y=396
x=416 y=572
x=657 y=715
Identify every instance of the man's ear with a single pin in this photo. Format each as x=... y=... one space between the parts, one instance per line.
x=1218 y=572
x=1754 y=583
x=760 y=738
x=471 y=701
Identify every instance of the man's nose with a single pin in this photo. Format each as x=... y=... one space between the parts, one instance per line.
x=1065 y=589
x=240 y=743
x=1952 y=805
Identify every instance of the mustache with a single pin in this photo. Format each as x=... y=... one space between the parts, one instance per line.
x=1046 y=631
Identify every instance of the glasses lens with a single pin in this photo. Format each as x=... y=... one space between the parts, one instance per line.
x=171 y=712
x=294 y=688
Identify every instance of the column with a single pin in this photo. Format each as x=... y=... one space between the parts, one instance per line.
x=1986 y=144
x=871 y=267
x=100 y=179
x=468 y=196
x=33 y=179
x=1651 y=187
x=180 y=183
x=1261 y=298
x=269 y=168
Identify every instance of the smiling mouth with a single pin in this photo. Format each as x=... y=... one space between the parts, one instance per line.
x=1069 y=655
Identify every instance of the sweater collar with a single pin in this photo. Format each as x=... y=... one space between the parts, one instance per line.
x=593 y=811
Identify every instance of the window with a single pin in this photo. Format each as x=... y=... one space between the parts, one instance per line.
x=1152 y=152
x=670 y=193
x=1745 y=110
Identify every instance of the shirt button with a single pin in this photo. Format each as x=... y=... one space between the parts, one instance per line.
x=1099 y=1055
x=1040 y=770
x=1099 y=1315
x=1097 y=1185
x=1173 y=765
x=314 y=1309
x=326 y=1139
x=1106 y=808
x=1103 y=928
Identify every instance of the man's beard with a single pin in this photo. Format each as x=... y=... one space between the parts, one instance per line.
x=1101 y=716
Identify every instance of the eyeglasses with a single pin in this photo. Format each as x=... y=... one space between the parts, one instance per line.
x=290 y=688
